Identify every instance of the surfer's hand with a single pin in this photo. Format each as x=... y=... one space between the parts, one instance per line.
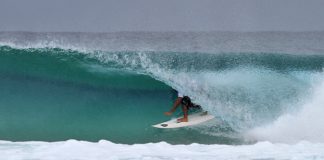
x=168 y=113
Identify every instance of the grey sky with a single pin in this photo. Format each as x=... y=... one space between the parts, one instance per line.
x=161 y=15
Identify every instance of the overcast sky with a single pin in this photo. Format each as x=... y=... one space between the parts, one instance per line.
x=161 y=15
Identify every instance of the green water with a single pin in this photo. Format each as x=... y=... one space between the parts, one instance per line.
x=47 y=98
x=33 y=109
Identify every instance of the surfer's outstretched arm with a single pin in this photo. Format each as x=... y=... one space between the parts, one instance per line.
x=175 y=106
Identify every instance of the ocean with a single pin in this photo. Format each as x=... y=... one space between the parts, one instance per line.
x=70 y=95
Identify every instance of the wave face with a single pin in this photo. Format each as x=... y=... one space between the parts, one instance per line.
x=58 y=86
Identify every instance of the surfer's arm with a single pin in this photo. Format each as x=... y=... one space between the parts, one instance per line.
x=176 y=104
x=174 y=107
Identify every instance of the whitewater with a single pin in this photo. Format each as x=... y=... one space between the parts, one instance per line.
x=96 y=95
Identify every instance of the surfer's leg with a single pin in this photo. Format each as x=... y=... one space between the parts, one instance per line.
x=174 y=107
x=185 y=114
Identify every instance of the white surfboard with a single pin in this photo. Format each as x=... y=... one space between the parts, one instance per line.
x=193 y=119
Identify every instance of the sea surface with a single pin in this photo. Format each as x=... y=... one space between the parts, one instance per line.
x=96 y=95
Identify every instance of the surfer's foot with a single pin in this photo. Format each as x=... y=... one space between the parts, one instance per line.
x=182 y=120
x=167 y=113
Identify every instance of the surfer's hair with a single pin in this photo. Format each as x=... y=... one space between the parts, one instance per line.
x=186 y=101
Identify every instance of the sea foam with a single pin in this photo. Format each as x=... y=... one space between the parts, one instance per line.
x=82 y=150
x=303 y=124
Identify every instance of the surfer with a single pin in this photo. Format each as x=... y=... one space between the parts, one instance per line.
x=186 y=104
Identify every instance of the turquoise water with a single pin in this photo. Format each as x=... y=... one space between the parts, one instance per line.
x=47 y=98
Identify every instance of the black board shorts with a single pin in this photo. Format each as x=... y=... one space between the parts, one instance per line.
x=186 y=101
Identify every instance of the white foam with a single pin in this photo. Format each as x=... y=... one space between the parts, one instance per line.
x=104 y=150
x=305 y=124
